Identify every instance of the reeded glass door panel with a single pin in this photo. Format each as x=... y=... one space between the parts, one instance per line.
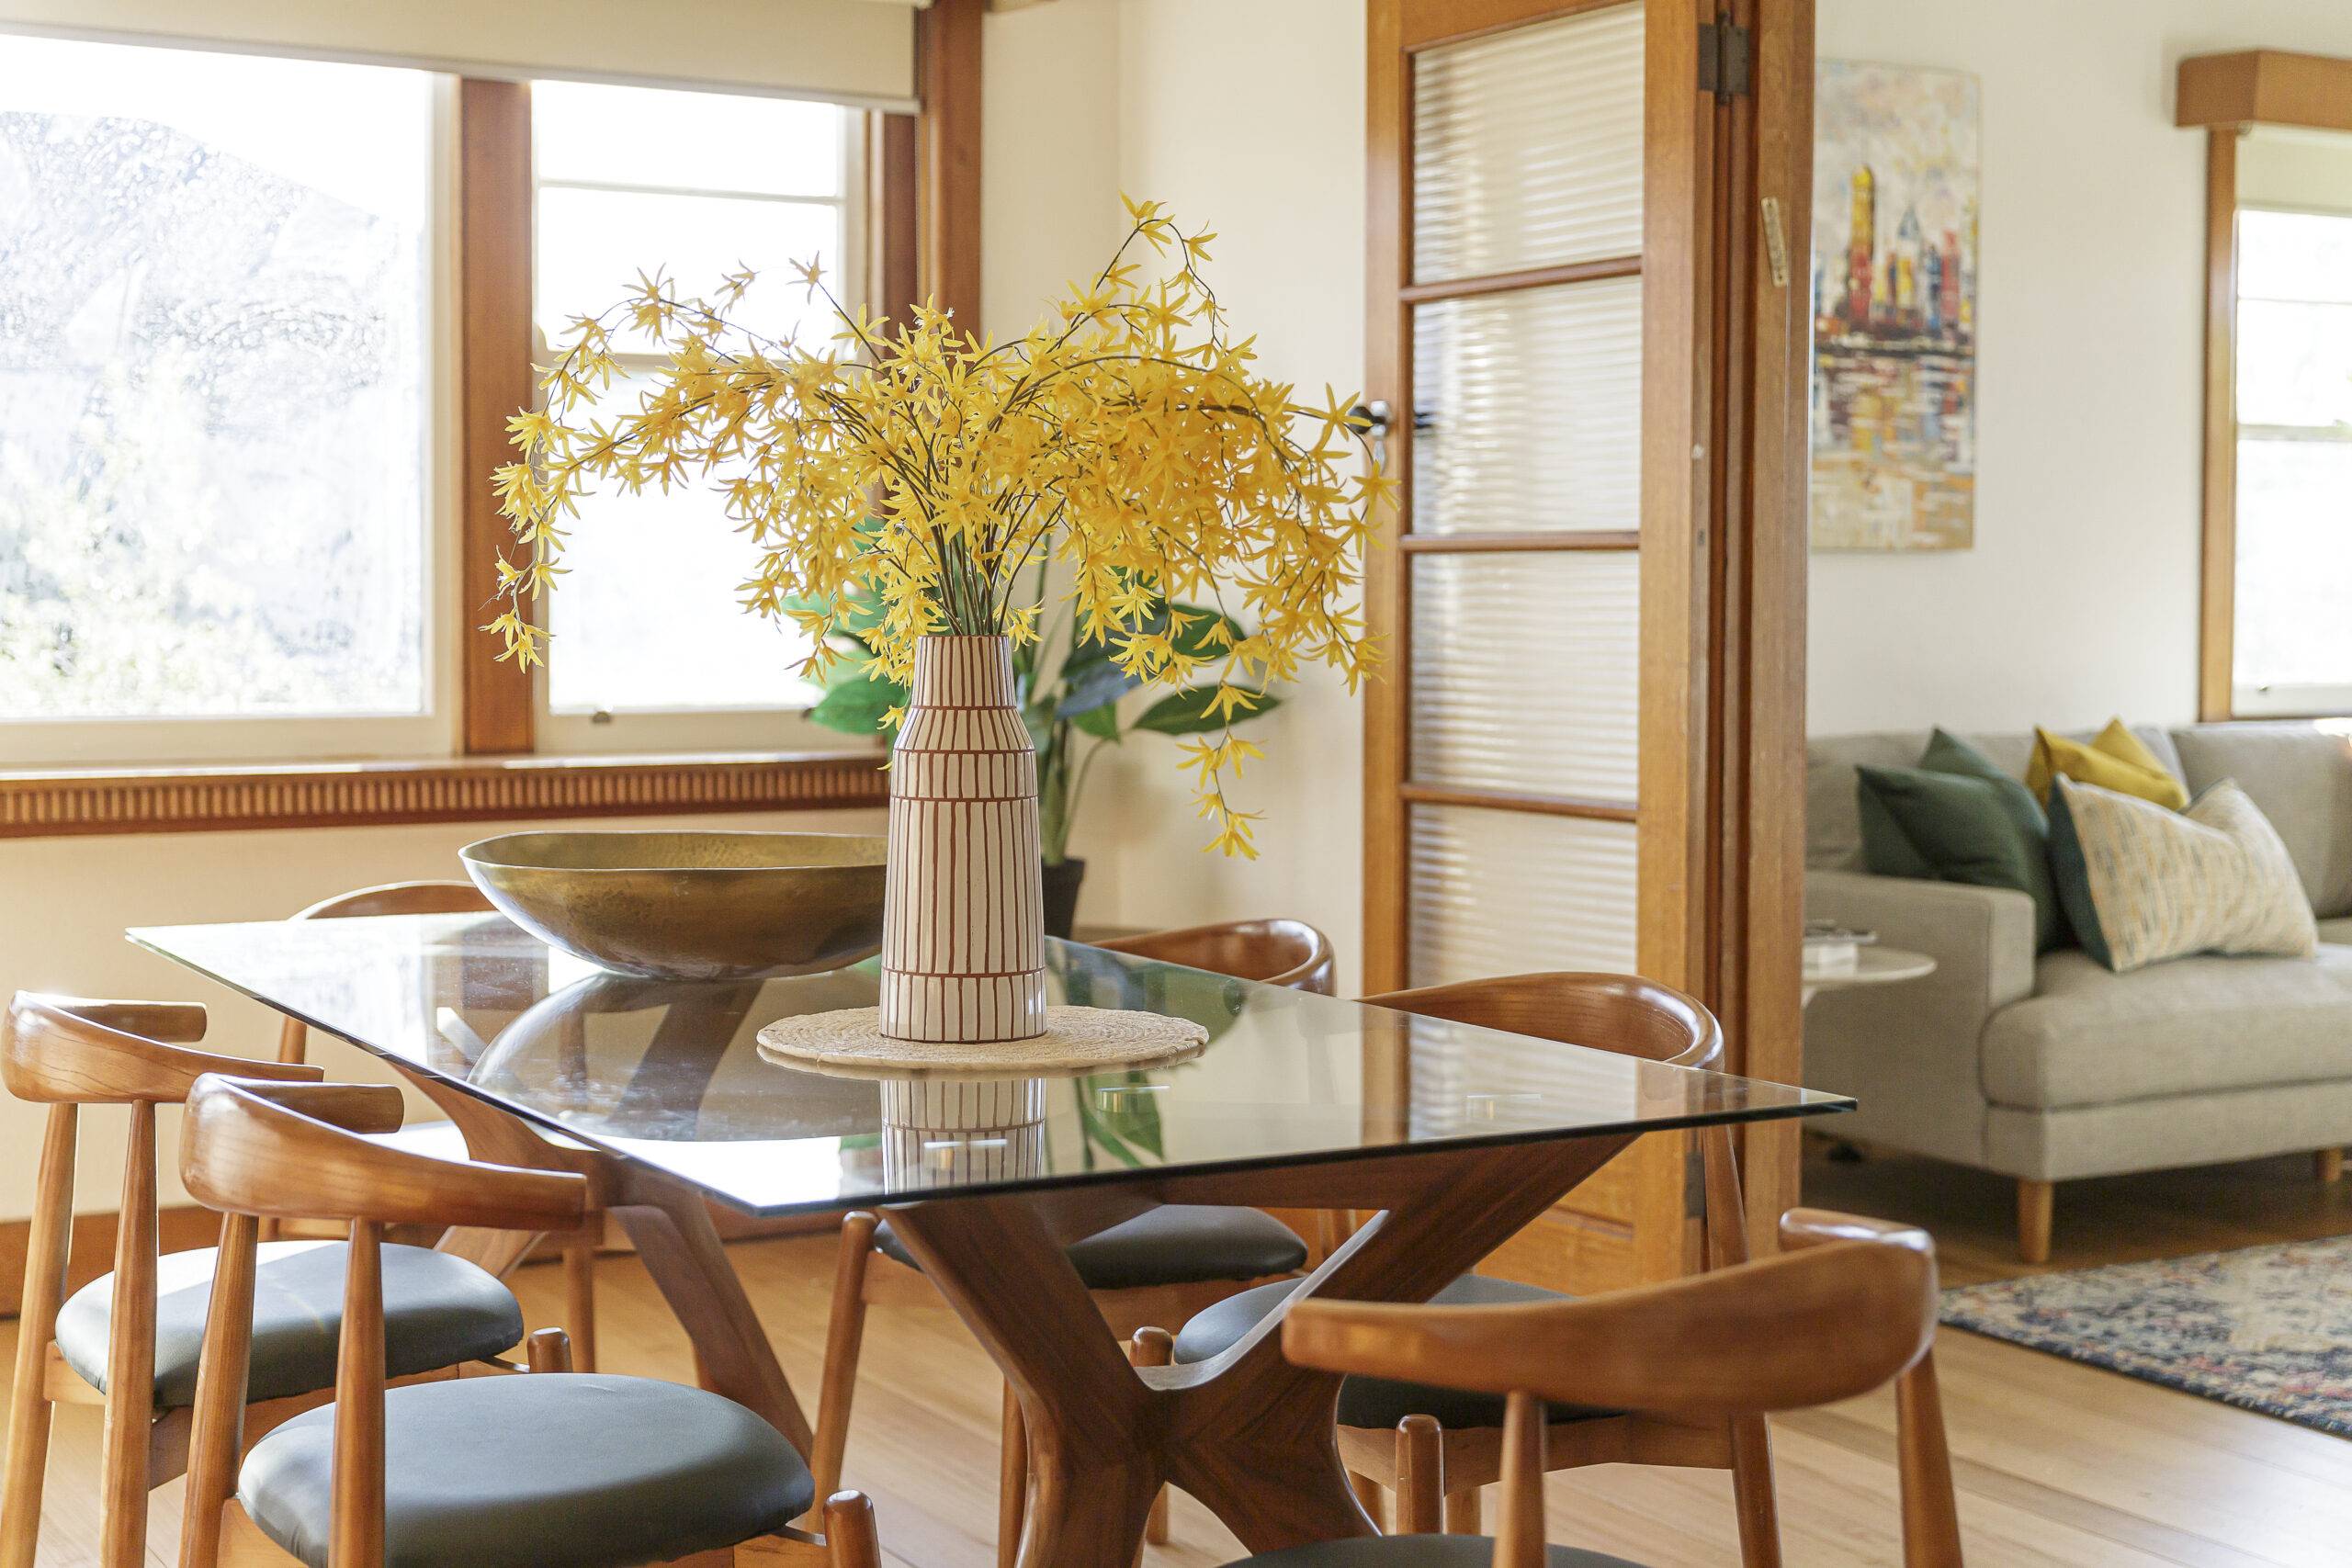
x=1527 y=147
x=1507 y=892
x=1525 y=671
x=1527 y=409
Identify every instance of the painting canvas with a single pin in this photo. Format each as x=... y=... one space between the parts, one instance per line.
x=1894 y=308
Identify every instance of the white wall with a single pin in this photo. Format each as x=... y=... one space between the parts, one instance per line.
x=1247 y=116
x=2080 y=598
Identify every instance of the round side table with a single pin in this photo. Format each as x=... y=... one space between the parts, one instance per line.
x=1877 y=966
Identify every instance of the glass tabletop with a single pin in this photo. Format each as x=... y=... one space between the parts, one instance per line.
x=670 y=1075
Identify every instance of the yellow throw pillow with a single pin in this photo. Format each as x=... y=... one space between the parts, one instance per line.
x=2117 y=760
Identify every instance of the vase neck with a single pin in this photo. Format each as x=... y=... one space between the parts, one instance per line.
x=963 y=671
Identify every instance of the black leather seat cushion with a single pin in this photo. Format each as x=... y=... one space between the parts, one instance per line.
x=1419 y=1552
x=438 y=1310
x=1176 y=1244
x=547 y=1470
x=1379 y=1402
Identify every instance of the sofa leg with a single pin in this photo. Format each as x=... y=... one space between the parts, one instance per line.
x=2035 y=1200
x=2328 y=1164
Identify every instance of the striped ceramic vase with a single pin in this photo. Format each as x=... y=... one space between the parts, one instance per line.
x=963 y=926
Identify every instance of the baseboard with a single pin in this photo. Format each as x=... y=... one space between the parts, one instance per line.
x=91 y=1251
x=186 y=1226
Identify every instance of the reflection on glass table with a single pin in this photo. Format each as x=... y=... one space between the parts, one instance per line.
x=669 y=1076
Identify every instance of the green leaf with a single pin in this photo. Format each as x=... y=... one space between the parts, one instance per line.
x=1092 y=684
x=1188 y=712
x=856 y=701
x=1103 y=723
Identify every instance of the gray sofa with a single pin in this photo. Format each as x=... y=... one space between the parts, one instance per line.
x=2050 y=1068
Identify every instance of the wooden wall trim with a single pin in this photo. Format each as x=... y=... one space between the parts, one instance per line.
x=1387 y=702
x=893 y=216
x=947 y=156
x=2269 y=86
x=54 y=803
x=1764 y=1007
x=498 y=710
x=2217 y=584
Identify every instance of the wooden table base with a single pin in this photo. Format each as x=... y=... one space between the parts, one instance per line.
x=1250 y=1435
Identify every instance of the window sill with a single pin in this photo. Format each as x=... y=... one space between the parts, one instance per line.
x=60 y=802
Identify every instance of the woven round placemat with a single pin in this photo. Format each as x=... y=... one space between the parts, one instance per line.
x=1077 y=1040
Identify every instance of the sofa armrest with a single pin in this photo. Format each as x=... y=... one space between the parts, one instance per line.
x=1908 y=1051
x=1984 y=935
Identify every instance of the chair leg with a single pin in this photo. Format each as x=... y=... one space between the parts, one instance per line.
x=1153 y=1347
x=1420 y=1476
x=1012 y=1484
x=1751 y=1490
x=580 y=1300
x=2328 y=1164
x=850 y=1540
x=1464 y=1514
x=845 y=1337
x=1368 y=1493
x=46 y=1243
x=2036 y=1203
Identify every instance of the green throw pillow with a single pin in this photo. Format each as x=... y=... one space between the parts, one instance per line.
x=1957 y=817
x=2144 y=881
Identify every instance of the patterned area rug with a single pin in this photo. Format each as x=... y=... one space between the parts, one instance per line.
x=2269 y=1328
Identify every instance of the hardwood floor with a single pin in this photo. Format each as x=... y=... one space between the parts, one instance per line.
x=2058 y=1465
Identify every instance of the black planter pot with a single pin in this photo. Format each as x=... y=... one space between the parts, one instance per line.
x=1061 y=896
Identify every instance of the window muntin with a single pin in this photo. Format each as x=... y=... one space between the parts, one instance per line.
x=2293 y=381
x=650 y=646
x=218 y=303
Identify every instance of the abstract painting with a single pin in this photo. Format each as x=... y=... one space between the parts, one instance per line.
x=1895 y=177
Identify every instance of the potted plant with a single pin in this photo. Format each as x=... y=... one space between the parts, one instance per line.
x=909 y=480
x=1069 y=691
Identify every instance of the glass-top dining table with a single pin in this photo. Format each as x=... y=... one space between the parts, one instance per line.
x=1449 y=1137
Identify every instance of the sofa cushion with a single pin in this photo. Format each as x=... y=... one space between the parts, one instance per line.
x=2089 y=1036
x=2113 y=759
x=2302 y=777
x=1832 y=828
x=2337 y=931
x=2143 y=883
x=1953 y=826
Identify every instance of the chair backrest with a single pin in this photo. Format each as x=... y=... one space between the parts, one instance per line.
x=1621 y=1014
x=250 y=1148
x=67 y=1053
x=1274 y=952
x=1851 y=1308
x=386 y=898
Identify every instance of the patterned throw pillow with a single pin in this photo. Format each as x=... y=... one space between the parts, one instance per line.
x=2144 y=883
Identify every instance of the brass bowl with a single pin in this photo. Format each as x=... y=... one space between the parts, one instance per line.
x=718 y=905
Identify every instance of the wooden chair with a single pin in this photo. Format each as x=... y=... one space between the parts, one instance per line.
x=128 y=1340
x=1850 y=1307
x=462 y=1134
x=1273 y=953
x=1159 y=1268
x=553 y=1468
x=1609 y=1012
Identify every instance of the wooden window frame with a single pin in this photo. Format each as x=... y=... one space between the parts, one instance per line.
x=922 y=203
x=2228 y=95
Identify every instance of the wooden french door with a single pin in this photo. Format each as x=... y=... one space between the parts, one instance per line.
x=1581 y=336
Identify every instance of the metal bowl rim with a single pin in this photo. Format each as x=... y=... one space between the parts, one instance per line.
x=470 y=854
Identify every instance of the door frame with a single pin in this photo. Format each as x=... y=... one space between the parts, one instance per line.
x=1720 y=825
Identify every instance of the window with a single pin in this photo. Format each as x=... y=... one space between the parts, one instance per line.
x=219 y=484
x=2293 y=640
x=650 y=647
